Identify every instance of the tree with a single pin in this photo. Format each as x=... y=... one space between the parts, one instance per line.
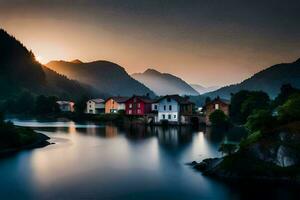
x=80 y=105
x=290 y=110
x=260 y=120
x=24 y=103
x=286 y=91
x=219 y=119
x=237 y=100
x=243 y=103
x=227 y=148
x=255 y=100
x=46 y=105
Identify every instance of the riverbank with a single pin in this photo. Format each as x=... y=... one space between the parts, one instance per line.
x=14 y=138
x=41 y=141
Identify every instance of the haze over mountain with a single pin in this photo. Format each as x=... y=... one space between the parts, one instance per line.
x=20 y=71
x=201 y=89
x=163 y=83
x=268 y=80
x=105 y=76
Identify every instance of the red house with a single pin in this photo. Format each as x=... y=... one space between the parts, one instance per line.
x=138 y=106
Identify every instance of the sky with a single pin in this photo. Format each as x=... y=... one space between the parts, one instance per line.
x=207 y=42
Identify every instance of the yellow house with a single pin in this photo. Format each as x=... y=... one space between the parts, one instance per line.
x=115 y=104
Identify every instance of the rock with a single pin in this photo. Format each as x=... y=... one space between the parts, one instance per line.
x=192 y=163
x=285 y=157
x=201 y=166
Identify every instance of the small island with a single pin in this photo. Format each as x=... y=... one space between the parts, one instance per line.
x=271 y=151
x=14 y=138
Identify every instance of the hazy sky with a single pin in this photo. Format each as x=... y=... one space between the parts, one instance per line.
x=209 y=42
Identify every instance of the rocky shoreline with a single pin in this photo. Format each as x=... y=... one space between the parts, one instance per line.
x=212 y=167
x=41 y=141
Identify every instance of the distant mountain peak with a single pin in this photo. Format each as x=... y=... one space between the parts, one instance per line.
x=164 y=83
x=76 y=61
x=151 y=71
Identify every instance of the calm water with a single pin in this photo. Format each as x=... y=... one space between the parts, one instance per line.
x=90 y=161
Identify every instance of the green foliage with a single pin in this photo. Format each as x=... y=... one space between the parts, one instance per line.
x=290 y=110
x=243 y=103
x=219 y=119
x=286 y=91
x=260 y=120
x=251 y=139
x=227 y=148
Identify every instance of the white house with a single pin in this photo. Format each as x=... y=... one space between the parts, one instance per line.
x=173 y=108
x=95 y=106
x=154 y=106
x=66 y=106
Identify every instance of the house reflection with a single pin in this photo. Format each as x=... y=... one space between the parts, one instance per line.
x=174 y=136
x=111 y=131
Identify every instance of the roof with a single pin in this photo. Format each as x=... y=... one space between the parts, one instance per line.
x=145 y=99
x=64 y=102
x=97 y=100
x=176 y=97
x=218 y=99
x=118 y=99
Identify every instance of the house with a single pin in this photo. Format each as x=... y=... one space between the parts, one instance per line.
x=138 y=105
x=95 y=106
x=174 y=109
x=66 y=106
x=216 y=104
x=115 y=104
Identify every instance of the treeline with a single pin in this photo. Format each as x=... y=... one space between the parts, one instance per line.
x=27 y=103
x=257 y=111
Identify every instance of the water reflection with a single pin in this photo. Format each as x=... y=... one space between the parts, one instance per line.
x=96 y=161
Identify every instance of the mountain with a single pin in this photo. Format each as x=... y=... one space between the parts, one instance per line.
x=268 y=80
x=20 y=71
x=105 y=76
x=201 y=89
x=163 y=83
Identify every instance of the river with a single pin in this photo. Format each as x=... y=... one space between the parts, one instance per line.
x=97 y=161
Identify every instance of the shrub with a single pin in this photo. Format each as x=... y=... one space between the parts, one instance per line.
x=219 y=119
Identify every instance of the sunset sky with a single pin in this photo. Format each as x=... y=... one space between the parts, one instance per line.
x=209 y=42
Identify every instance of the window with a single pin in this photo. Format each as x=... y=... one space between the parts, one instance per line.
x=170 y=107
x=174 y=116
x=155 y=107
x=130 y=105
x=217 y=106
x=168 y=99
x=165 y=108
x=129 y=112
x=163 y=116
x=139 y=105
x=169 y=116
x=139 y=111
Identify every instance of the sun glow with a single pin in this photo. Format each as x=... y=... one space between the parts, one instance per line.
x=39 y=59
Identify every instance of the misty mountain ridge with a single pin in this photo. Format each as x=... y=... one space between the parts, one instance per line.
x=104 y=76
x=164 y=83
x=201 y=89
x=268 y=80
